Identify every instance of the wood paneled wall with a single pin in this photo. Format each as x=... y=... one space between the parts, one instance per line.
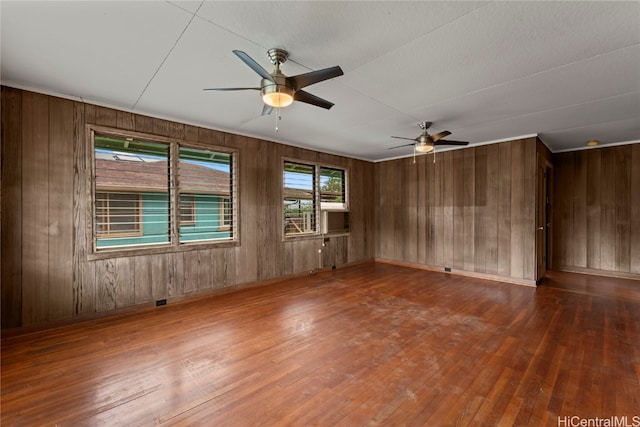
x=597 y=210
x=472 y=210
x=47 y=273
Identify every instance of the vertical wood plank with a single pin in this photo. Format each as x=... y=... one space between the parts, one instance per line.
x=579 y=241
x=84 y=284
x=125 y=289
x=634 y=191
x=125 y=120
x=593 y=208
x=480 y=203
x=409 y=208
x=106 y=285
x=504 y=210
x=491 y=211
x=11 y=234
x=142 y=280
x=430 y=212
x=106 y=117
x=623 y=207
x=246 y=253
x=160 y=267
x=422 y=206
x=607 y=211
x=517 y=211
x=438 y=189
x=458 y=209
x=35 y=208
x=61 y=178
x=469 y=208
x=448 y=204
x=528 y=255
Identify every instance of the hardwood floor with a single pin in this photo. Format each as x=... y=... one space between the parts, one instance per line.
x=373 y=344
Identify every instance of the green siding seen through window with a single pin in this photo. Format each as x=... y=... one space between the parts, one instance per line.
x=118 y=214
x=205 y=177
x=131 y=192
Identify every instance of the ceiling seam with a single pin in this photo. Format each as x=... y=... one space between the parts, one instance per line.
x=167 y=55
x=537 y=73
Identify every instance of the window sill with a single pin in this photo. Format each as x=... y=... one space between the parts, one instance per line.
x=158 y=250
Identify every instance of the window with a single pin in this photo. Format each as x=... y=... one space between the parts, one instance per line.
x=131 y=192
x=187 y=210
x=118 y=214
x=303 y=186
x=136 y=186
x=332 y=189
x=226 y=212
x=205 y=177
x=299 y=199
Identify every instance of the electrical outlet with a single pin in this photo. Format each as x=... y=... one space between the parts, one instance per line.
x=447 y=269
x=161 y=302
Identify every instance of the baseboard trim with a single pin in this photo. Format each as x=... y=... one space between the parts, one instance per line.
x=440 y=269
x=596 y=272
x=151 y=305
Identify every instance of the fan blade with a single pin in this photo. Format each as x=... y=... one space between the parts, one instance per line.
x=402 y=137
x=403 y=145
x=266 y=110
x=440 y=135
x=306 y=97
x=254 y=65
x=232 y=88
x=303 y=80
x=446 y=142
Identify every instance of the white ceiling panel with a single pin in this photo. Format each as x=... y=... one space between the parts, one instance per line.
x=486 y=71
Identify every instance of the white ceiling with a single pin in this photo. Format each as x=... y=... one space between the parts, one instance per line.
x=486 y=71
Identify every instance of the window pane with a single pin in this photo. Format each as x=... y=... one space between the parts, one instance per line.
x=299 y=199
x=132 y=192
x=205 y=179
x=332 y=185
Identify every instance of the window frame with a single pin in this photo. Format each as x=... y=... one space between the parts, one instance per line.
x=319 y=206
x=174 y=244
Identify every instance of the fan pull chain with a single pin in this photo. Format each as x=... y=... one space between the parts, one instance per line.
x=434 y=155
x=414 y=154
x=277 y=118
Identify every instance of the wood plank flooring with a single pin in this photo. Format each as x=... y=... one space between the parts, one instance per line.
x=373 y=344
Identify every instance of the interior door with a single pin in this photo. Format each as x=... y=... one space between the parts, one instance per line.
x=543 y=217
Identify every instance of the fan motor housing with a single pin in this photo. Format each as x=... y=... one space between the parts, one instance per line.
x=276 y=94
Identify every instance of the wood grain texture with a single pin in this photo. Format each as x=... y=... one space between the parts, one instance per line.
x=479 y=204
x=373 y=344
x=35 y=208
x=60 y=256
x=596 y=228
x=11 y=207
x=53 y=273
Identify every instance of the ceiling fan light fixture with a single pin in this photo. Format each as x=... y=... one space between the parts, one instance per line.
x=424 y=148
x=277 y=96
x=592 y=143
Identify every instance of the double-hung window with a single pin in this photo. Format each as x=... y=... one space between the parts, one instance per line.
x=308 y=188
x=149 y=192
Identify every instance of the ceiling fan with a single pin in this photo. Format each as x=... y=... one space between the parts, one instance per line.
x=425 y=142
x=278 y=90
